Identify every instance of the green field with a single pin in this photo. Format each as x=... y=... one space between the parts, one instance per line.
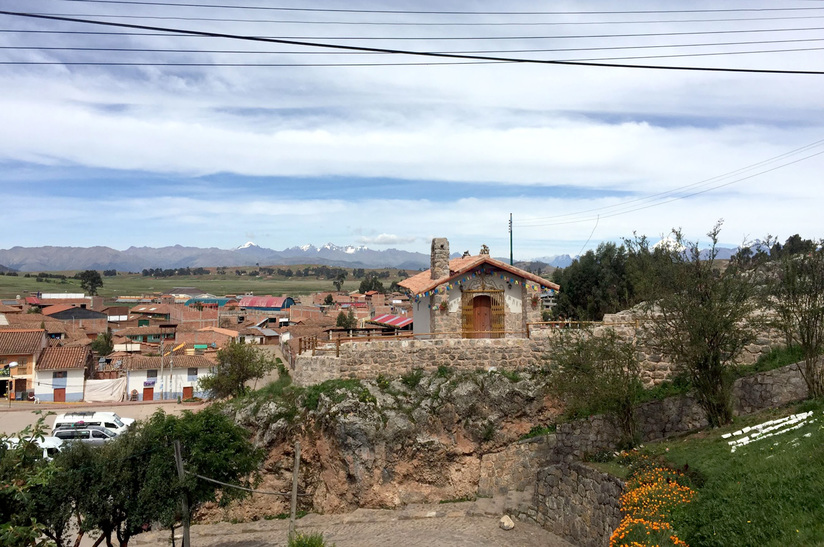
x=768 y=493
x=124 y=284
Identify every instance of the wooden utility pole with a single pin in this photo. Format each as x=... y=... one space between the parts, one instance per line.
x=184 y=499
x=294 y=489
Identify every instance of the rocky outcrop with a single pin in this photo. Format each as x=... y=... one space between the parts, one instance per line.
x=389 y=442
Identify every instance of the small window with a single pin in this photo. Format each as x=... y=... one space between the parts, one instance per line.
x=192 y=371
x=58 y=374
x=151 y=373
x=99 y=435
x=110 y=425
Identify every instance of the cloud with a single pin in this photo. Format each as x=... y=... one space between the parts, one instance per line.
x=385 y=239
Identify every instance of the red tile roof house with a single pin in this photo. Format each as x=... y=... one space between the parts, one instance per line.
x=61 y=372
x=21 y=346
x=474 y=296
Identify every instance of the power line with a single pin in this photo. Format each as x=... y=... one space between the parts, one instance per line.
x=252 y=490
x=704 y=182
x=423 y=12
x=431 y=24
x=704 y=191
x=408 y=52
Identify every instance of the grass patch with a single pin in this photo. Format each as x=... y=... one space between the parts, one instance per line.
x=511 y=375
x=412 y=379
x=679 y=385
x=538 y=431
x=767 y=493
x=283 y=516
x=776 y=358
x=460 y=500
x=336 y=390
x=315 y=539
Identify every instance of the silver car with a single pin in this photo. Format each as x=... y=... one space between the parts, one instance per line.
x=94 y=435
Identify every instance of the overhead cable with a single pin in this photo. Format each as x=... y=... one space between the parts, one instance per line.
x=408 y=52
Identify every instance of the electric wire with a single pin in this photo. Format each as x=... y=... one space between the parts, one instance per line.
x=418 y=53
x=432 y=24
x=245 y=489
x=674 y=191
x=678 y=198
x=442 y=12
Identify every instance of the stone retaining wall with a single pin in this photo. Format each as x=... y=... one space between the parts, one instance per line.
x=396 y=357
x=514 y=467
x=674 y=415
x=576 y=502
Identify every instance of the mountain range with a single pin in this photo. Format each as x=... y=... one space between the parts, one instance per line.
x=135 y=259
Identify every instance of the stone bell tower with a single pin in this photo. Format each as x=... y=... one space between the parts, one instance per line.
x=439 y=319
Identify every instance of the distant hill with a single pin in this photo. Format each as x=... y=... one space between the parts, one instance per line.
x=5 y=269
x=135 y=259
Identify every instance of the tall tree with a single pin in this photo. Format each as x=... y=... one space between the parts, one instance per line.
x=797 y=297
x=237 y=363
x=599 y=373
x=90 y=281
x=702 y=318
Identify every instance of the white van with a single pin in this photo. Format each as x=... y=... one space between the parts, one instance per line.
x=50 y=445
x=109 y=420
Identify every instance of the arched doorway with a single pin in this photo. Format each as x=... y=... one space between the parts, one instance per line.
x=482 y=316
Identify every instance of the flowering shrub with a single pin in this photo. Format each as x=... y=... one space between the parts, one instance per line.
x=653 y=493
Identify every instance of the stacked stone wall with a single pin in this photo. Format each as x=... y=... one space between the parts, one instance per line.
x=514 y=467
x=674 y=415
x=576 y=502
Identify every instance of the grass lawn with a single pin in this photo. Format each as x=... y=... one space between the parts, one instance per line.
x=767 y=493
x=124 y=284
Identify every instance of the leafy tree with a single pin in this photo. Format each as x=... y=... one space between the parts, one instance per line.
x=702 y=318
x=797 y=297
x=90 y=281
x=237 y=364
x=595 y=284
x=371 y=283
x=599 y=374
x=22 y=472
x=339 y=279
x=329 y=300
x=103 y=344
x=122 y=486
x=346 y=321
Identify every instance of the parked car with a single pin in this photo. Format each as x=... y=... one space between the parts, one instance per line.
x=94 y=434
x=49 y=445
x=109 y=420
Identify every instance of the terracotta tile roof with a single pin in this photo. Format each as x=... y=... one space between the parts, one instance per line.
x=63 y=358
x=34 y=320
x=422 y=282
x=142 y=331
x=22 y=341
x=9 y=309
x=225 y=332
x=51 y=310
x=152 y=309
x=141 y=362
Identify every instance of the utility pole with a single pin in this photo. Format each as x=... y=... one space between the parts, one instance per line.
x=294 y=489
x=184 y=499
x=511 y=261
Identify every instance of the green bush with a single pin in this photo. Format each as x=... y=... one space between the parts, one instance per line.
x=308 y=540
x=776 y=358
x=413 y=378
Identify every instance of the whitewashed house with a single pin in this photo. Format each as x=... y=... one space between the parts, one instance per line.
x=60 y=374
x=173 y=377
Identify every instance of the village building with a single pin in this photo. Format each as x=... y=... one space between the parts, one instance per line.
x=19 y=351
x=61 y=372
x=165 y=378
x=475 y=296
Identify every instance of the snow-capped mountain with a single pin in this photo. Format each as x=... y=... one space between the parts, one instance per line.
x=248 y=245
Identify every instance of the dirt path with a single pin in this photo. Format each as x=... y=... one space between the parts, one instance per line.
x=448 y=525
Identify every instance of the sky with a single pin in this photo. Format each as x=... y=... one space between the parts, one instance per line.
x=191 y=140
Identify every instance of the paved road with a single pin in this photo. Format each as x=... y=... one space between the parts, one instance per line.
x=452 y=525
x=22 y=413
